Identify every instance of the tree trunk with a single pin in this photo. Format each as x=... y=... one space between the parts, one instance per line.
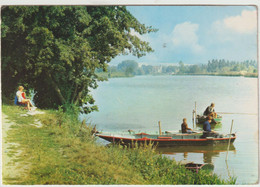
x=56 y=88
x=79 y=94
x=74 y=94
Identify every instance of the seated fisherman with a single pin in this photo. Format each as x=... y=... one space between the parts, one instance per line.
x=210 y=111
x=207 y=128
x=184 y=127
x=22 y=100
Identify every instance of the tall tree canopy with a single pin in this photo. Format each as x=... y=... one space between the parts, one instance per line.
x=128 y=66
x=56 y=49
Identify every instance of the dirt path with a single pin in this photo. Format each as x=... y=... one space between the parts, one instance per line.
x=11 y=170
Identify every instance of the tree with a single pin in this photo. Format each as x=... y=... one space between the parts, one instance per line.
x=140 y=71
x=147 y=69
x=112 y=69
x=128 y=66
x=56 y=49
x=182 y=68
x=170 y=69
x=236 y=68
x=194 y=69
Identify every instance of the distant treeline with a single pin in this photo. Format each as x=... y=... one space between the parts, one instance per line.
x=129 y=68
x=220 y=66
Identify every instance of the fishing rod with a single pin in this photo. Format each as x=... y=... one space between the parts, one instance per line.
x=237 y=113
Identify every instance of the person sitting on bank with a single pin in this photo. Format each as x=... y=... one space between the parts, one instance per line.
x=22 y=99
x=184 y=127
x=210 y=111
x=207 y=128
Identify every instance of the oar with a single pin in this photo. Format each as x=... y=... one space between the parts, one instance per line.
x=237 y=113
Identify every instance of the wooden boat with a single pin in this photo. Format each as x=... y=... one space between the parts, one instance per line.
x=213 y=125
x=200 y=119
x=195 y=167
x=168 y=139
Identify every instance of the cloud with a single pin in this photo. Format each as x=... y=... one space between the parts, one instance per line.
x=184 y=36
x=245 y=23
x=234 y=37
x=133 y=32
x=144 y=37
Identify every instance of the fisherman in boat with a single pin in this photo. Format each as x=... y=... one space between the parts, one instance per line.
x=210 y=111
x=207 y=128
x=184 y=127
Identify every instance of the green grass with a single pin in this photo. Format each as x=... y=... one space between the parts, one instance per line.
x=63 y=151
x=106 y=75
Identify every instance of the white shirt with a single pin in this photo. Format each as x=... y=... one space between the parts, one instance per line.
x=19 y=96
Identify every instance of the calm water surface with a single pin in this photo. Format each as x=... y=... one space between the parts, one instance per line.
x=138 y=103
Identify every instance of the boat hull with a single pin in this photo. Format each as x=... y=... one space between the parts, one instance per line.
x=212 y=125
x=202 y=119
x=169 y=142
x=195 y=167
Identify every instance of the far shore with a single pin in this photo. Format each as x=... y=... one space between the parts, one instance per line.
x=253 y=75
x=122 y=75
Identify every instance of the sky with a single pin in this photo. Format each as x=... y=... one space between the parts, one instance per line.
x=196 y=34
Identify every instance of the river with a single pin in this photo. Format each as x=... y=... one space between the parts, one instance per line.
x=138 y=103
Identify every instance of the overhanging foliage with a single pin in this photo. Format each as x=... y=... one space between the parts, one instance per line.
x=56 y=49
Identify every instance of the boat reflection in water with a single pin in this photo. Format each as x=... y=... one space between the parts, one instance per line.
x=208 y=152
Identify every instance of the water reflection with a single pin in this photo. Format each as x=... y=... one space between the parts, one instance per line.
x=209 y=152
x=144 y=100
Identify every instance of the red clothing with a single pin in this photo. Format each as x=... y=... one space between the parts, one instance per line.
x=23 y=95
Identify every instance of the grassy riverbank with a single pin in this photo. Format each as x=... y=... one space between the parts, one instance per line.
x=107 y=75
x=62 y=151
